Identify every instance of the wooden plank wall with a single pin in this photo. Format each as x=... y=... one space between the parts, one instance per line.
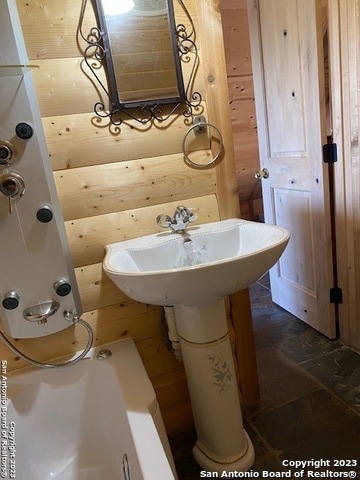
x=242 y=105
x=113 y=182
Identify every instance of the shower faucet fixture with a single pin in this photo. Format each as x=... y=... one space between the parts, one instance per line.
x=11 y=300
x=45 y=214
x=37 y=279
x=62 y=287
x=7 y=153
x=179 y=222
x=12 y=186
x=24 y=131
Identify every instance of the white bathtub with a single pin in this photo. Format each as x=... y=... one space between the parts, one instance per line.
x=97 y=420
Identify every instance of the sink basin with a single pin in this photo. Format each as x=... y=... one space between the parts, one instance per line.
x=191 y=273
x=208 y=262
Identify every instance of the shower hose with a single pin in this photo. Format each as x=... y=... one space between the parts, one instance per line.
x=72 y=318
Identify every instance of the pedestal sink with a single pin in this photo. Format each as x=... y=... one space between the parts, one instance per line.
x=193 y=272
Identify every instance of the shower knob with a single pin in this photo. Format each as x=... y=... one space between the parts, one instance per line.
x=62 y=287
x=11 y=300
x=24 y=130
x=7 y=153
x=44 y=214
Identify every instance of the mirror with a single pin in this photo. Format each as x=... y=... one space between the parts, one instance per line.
x=141 y=49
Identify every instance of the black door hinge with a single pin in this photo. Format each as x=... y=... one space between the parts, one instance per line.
x=330 y=153
x=336 y=295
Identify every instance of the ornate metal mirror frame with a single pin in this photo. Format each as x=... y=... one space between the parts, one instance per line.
x=98 y=54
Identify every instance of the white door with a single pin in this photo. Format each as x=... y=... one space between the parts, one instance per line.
x=287 y=56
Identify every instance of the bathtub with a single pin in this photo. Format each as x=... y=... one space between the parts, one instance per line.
x=96 y=420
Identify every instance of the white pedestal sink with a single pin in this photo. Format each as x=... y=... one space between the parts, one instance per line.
x=194 y=272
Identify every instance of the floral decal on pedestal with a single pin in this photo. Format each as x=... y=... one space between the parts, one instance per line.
x=221 y=372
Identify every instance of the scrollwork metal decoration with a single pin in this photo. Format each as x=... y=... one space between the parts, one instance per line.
x=147 y=111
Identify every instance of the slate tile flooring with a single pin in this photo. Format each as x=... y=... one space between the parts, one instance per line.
x=310 y=397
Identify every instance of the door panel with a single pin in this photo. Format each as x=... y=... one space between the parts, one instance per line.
x=285 y=103
x=293 y=211
x=286 y=41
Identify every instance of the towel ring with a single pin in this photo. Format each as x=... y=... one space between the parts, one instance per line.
x=201 y=126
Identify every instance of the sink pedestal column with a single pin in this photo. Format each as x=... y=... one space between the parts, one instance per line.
x=222 y=443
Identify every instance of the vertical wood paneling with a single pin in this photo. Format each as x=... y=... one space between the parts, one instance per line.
x=344 y=34
x=217 y=98
x=241 y=90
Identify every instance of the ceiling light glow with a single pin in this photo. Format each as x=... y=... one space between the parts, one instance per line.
x=117 y=7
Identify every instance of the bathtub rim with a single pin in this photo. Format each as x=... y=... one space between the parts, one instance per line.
x=137 y=397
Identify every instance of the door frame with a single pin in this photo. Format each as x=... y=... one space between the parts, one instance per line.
x=344 y=56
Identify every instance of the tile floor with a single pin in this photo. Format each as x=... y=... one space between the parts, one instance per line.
x=310 y=397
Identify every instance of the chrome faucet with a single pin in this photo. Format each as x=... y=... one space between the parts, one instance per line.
x=180 y=221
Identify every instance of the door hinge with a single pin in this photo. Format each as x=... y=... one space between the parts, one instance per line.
x=336 y=295
x=330 y=153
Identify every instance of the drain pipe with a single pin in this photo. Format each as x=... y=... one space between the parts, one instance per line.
x=172 y=332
